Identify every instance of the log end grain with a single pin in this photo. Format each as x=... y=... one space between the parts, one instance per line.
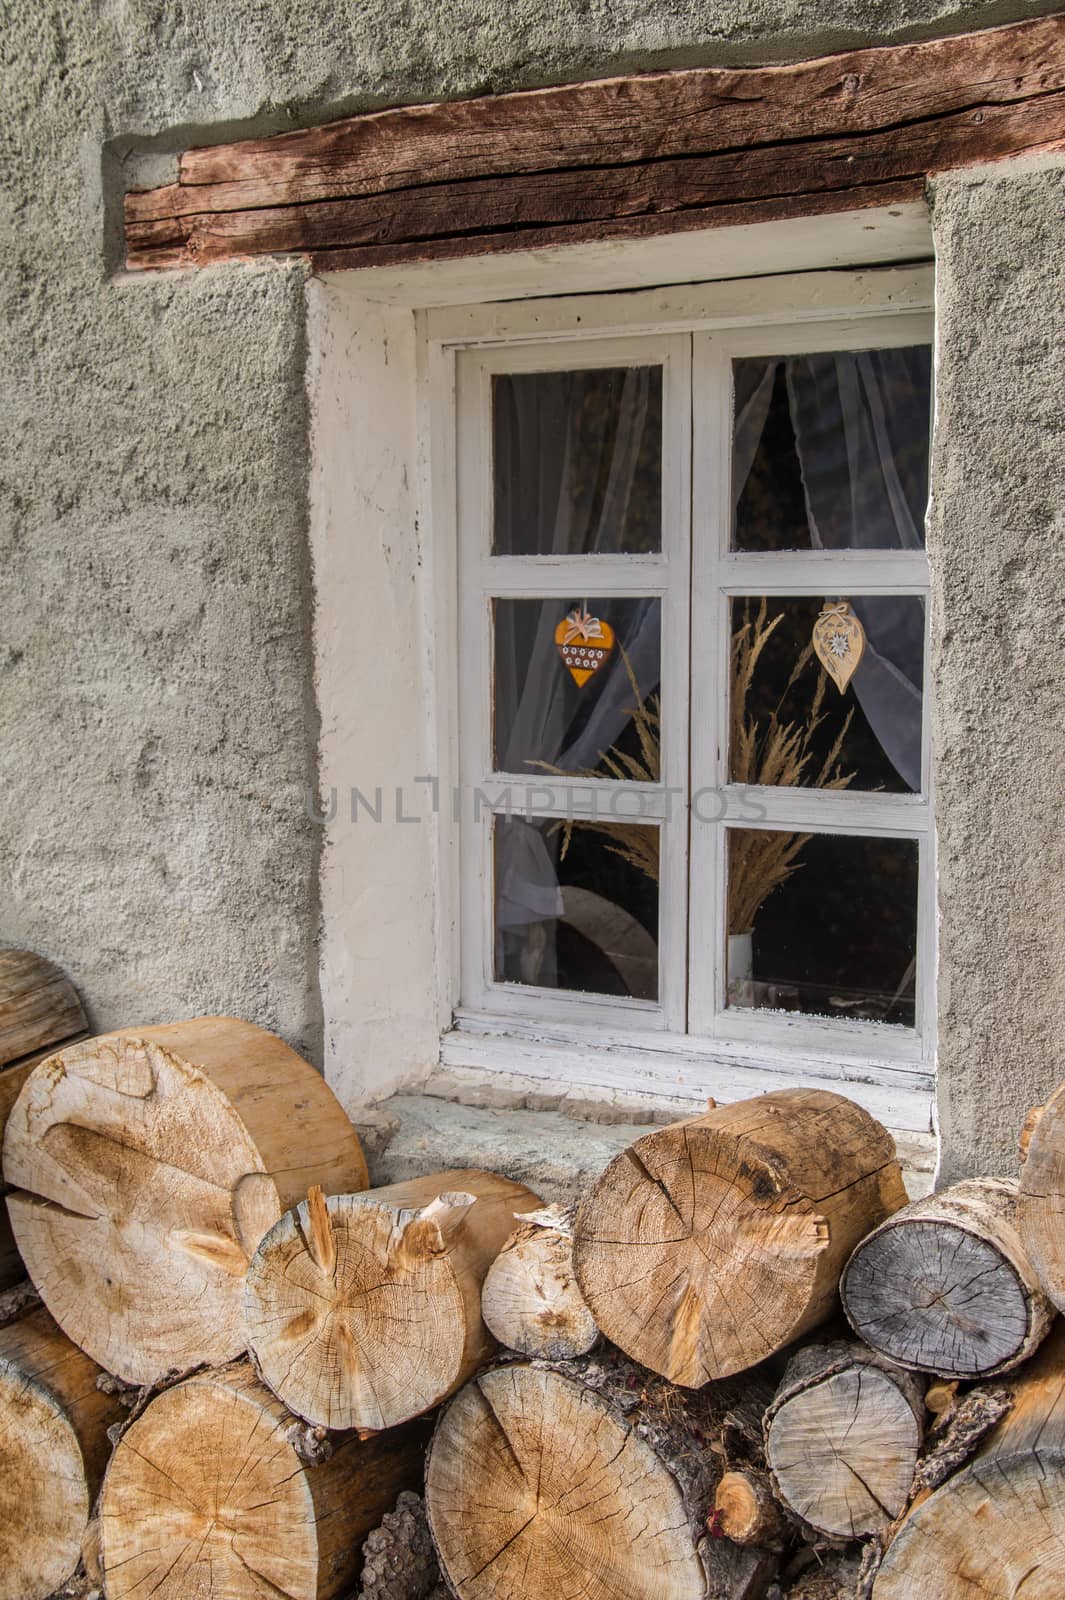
x=531 y=1300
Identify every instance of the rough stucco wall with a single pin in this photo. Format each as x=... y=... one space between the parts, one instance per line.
x=158 y=718
x=997 y=539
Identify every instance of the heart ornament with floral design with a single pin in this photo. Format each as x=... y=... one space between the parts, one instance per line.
x=584 y=642
x=839 y=643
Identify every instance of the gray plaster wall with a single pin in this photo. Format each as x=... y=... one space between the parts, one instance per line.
x=156 y=693
x=997 y=544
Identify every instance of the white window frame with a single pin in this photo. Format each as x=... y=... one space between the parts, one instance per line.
x=606 y=1042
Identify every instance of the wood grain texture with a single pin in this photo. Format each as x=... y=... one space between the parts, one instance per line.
x=710 y=1244
x=842 y=1437
x=39 y=1006
x=1041 y=1202
x=53 y=1451
x=531 y=1301
x=148 y=1167
x=664 y=150
x=589 y=1479
x=946 y=1286
x=365 y=1310
x=207 y=1496
x=996 y=1528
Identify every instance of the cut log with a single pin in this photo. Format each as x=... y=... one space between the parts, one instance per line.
x=709 y=1245
x=530 y=1301
x=365 y=1310
x=399 y=1558
x=748 y=1511
x=586 y=1478
x=149 y=1166
x=996 y=1528
x=946 y=1286
x=207 y=1495
x=39 y=1009
x=1041 y=1203
x=39 y=1006
x=842 y=1438
x=53 y=1451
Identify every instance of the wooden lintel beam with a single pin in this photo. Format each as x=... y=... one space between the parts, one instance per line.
x=613 y=158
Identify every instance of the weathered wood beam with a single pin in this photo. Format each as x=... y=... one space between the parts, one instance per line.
x=613 y=158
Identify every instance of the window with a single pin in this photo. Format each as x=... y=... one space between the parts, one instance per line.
x=676 y=820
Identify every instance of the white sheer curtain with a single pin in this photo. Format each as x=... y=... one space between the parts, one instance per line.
x=861 y=429
x=549 y=499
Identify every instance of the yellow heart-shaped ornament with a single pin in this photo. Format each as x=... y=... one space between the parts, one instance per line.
x=584 y=642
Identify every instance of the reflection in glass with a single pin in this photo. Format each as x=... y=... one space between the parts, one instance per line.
x=544 y=719
x=577 y=462
x=824 y=924
x=791 y=727
x=576 y=905
x=830 y=452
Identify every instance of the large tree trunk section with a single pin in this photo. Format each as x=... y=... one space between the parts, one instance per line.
x=946 y=1286
x=531 y=1301
x=53 y=1451
x=995 y=1530
x=365 y=1310
x=206 y=1496
x=582 y=1479
x=150 y=1167
x=1041 y=1203
x=842 y=1438
x=708 y=1245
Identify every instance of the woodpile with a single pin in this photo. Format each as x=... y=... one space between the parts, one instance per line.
x=249 y=1366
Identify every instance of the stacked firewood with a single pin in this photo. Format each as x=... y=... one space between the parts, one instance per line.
x=743 y=1368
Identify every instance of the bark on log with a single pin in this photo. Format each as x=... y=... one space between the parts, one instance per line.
x=842 y=1438
x=149 y=1166
x=946 y=1286
x=365 y=1310
x=590 y=1479
x=399 y=1557
x=531 y=1301
x=1041 y=1203
x=709 y=1245
x=53 y=1451
x=996 y=1528
x=206 y=1495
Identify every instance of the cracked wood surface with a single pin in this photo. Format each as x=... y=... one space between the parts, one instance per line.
x=1041 y=1202
x=995 y=1530
x=710 y=1244
x=590 y=1479
x=946 y=1286
x=147 y=1168
x=365 y=1310
x=531 y=1301
x=612 y=158
x=53 y=1451
x=207 y=1496
x=842 y=1438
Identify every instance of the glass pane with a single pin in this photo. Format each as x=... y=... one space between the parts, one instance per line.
x=824 y=924
x=830 y=452
x=577 y=462
x=576 y=687
x=576 y=905
x=792 y=726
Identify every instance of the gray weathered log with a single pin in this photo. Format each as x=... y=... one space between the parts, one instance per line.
x=398 y=1558
x=842 y=1437
x=946 y=1285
